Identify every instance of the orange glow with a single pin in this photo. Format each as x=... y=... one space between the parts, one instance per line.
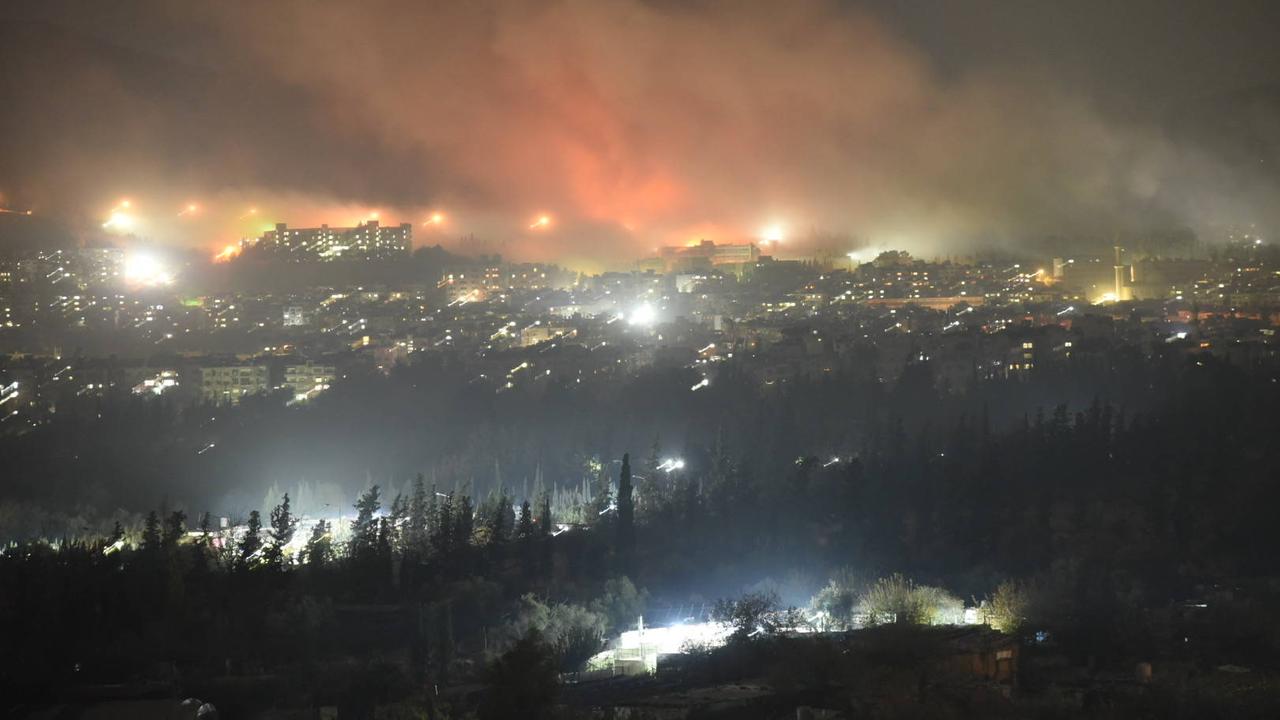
x=189 y=209
x=227 y=254
x=541 y=222
x=435 y=219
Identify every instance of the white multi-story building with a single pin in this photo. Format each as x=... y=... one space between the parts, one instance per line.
x=367 y=241
x=307 y=380
x=227 y=384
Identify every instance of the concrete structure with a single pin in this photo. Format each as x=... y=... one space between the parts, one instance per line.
x=540 y=333
x=227 y=384
x=707 y=254
x=308 y=379
x=294 y=316
x=367 y=241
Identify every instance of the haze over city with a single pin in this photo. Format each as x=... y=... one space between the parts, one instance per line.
x=634 y=124
x=571 y=360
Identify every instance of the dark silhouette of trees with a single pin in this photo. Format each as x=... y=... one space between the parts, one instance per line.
x=524 y=525
x=319 y=549
x=626 y=515
x=151 y=537
x=283 y=525
x=523 y=682
x=251 y=544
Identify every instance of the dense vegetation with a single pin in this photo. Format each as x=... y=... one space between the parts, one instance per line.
x=1096 y=524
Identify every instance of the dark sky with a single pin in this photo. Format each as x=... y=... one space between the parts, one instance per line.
x=934 y=125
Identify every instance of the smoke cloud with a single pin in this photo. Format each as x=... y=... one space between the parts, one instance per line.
x=630 y=124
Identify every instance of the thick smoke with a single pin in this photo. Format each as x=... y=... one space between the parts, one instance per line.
x=632 y=124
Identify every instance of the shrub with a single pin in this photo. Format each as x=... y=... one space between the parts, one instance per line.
x=897 y=599
x=1006 y=609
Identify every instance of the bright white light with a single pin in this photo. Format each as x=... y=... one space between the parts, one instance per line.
x=145 y=269
x=643 y=315
x=120 y=221
x=773 y=233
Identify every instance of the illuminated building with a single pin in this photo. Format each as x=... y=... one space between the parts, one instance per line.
x=367 y=241
x=464 y=287
x=306 y=380
x=158 y=384
x=540 y=333
x=227 y=384
x=708 y=254
x=294 y=316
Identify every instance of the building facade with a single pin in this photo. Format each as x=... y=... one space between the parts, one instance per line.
x=227 y=384
x=367 y=241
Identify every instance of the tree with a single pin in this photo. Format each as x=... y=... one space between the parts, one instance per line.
x=174 y=528
x=283 y=525
x=601 y=499
x=395 y=521
x=251 y=543
x=575 y=633
x=749 y=615
x=620 y=604
x=626 y=512
x=364 y=529
x=319 y=550
x=524 y=525
x=649 y=493
x=545 y=525
x=442 y=531
x=897 y=599
x=496 y=522
x=206 y=524
x=523 y=682
x=837 y=603
x=415 y=536
x=117 y=534
x=463 y=523
x=1007 y=608
x=151 y=532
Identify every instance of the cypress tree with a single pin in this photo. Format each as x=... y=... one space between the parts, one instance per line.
x=151 y=532
x=626 y=510
x=416 y=528
x=544 y=517
x=320 y=545
x=283 y=525
x=524 y=526
x=251 y=543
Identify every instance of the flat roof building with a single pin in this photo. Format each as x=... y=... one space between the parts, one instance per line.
x=366 y=241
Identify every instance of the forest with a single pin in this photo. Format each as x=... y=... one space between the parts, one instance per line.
x=1100 y=523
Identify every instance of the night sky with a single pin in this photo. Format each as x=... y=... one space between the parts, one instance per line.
x=938 y=126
